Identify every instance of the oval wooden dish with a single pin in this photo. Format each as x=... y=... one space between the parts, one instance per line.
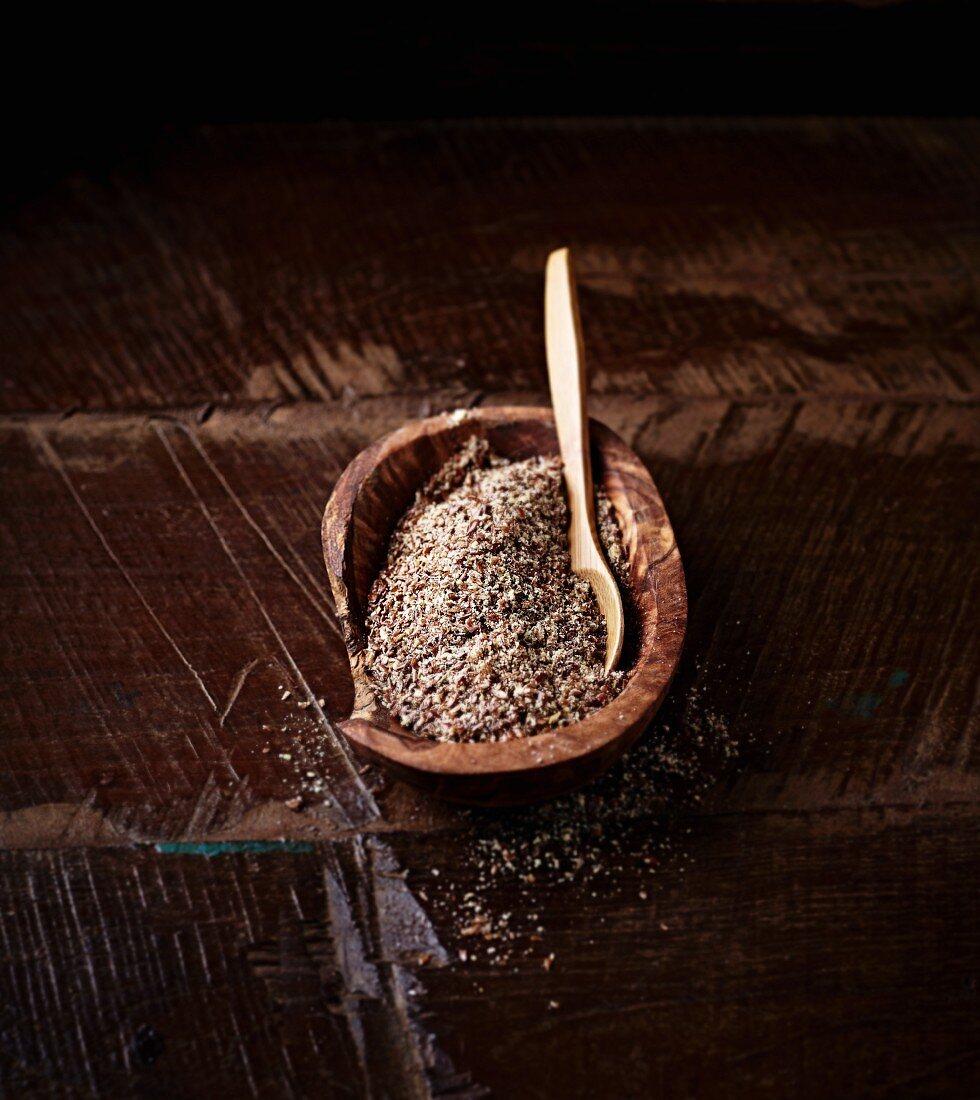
x=369 y=499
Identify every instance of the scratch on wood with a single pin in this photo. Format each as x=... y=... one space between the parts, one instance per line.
x=236 y=687
x=377 y=927
x=55 y=461
x=260 y=531
x=354 y=799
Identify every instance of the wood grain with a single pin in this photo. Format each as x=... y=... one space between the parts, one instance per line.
x=782 y=316
x=716 y=258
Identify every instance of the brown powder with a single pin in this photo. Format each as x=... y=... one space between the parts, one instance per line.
x=477 y=628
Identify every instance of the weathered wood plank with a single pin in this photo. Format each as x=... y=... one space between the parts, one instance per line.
x=795 y=955
x=717 y=258
x=279 y=972
x=765 y=955
x=162 y=591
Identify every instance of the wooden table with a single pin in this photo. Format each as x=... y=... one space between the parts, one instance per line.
x=781 y=317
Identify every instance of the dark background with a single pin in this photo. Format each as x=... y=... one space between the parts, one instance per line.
x=84 y=91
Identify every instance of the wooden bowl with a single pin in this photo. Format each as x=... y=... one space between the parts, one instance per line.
x=371 y=496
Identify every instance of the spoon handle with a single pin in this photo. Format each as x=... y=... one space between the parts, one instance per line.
x=566 y=376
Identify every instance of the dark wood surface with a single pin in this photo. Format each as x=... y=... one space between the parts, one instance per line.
x=775 y=893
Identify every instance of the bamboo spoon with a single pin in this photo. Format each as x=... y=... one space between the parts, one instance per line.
x=566 y=376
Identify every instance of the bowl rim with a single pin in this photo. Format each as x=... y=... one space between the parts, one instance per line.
x=649 y=678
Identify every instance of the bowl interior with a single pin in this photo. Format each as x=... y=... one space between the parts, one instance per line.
x=400 y=470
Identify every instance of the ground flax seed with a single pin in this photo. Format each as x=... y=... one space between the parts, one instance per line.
x=477 y=629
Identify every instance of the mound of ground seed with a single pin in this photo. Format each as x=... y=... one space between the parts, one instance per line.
x=477 y=628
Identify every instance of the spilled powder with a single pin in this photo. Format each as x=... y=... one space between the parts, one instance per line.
x=477 y=628
x=501 y=892
x=507 y=895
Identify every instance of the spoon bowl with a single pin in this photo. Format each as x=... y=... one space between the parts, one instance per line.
x=369 y=499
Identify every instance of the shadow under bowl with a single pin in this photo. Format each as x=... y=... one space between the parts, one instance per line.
x=372 y=495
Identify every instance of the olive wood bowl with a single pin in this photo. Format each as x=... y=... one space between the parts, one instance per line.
x=372 y=495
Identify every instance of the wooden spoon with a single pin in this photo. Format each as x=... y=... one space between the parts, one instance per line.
x=566 y=375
